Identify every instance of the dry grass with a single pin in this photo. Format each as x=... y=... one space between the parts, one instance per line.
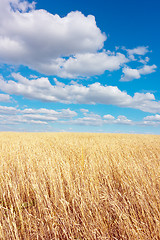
x=79 y=186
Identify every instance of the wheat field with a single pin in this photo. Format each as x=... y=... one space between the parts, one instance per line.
x=79 y=186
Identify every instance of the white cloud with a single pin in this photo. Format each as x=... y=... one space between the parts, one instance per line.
x=22 y=41
x=8 y=110
x=14 y=115
x=4 y=97
x=147 y=69
x=70 y=46
x=144 y=61
x=17 y=119
x=22 y=6
x=42 y=116
x=42 y=89
x=152 y=118
x=137 y=52
x=83 y=110
x=129 y=74
x=108 y=117
x=150 y=123
x=90 y=64
x=64 y=113
x=87 y=120
x=142 y=50
x=123 y=120
x=92 y=119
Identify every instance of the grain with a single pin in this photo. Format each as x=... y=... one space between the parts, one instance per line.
x=79 y=186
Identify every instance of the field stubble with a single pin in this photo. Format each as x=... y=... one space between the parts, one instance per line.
x=79 y=186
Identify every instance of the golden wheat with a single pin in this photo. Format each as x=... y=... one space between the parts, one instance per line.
x=79 y=186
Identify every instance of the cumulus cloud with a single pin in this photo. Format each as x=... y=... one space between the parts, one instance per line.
x=137 y=52
x=123 y=120
x=42 y=89
x=92 y=119
x=108 y=117
x=141 y=50
x=91 y=64
x=70 y=46
x=144 y=61
x=22 y=6
x=22 y=41
x=153 y=118
x=83 y=65
x=64 y=113
x=8 y=110
x=146 y=69
x=129 y=74
x=4 y=97
x=89 y=119
x=16 y=120
x=14 y=115
x=83 y=110
x=42 y=116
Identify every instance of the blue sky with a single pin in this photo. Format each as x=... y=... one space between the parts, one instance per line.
x=80 y=66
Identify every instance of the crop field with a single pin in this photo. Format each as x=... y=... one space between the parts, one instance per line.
x=79 y=186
